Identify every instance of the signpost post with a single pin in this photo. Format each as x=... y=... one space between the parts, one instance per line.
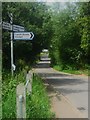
x=11 y=22
x=17 y=33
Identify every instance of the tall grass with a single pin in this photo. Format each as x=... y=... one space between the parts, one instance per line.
x=71 y=70
x=37 y=104
x=9 y=94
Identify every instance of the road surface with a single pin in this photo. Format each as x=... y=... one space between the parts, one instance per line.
x=73 y=87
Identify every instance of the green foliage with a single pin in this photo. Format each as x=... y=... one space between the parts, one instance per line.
x=38 y=104
x=35 y=18
x=84 y=27
x=70 y=42
x=9 y=94
x=72 y=70
x=8 y=98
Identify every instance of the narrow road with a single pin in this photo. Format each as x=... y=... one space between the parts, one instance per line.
x=73 y=87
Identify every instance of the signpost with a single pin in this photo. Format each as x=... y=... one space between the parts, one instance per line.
x=17 y=33
x=18 y=28
x=23 y=35
x=7 y=26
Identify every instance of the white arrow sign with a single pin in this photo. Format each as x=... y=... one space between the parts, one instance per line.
x=23 y=35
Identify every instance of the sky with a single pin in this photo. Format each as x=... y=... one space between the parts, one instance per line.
x=53 y=0
x=62 y=0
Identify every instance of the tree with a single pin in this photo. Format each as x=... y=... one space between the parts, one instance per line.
x=34 y=17
x=83 y=22
x=70 y=38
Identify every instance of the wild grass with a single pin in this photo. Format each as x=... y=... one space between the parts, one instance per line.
x=37 y=104
x=72 y=71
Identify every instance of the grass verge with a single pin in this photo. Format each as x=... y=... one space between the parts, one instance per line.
x=37 y=104
x=9 y=94
x=72 y=71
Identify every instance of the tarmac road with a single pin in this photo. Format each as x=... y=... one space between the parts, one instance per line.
x=73 y=87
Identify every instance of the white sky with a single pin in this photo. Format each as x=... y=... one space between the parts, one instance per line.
x=62 y=0
x=52 y=0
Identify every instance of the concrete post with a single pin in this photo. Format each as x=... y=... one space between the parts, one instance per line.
x=29 y=78
x=21 y=101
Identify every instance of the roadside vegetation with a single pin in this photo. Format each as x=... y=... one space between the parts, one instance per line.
x=70 y=43
x=72 y=71
x=37 y=104
x=63 y=29
x=35 y=18
x=9 y=94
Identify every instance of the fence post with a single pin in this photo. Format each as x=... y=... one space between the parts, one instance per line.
x=21 y=101
x=21 y=95
x=21 y=105
x=28 y=85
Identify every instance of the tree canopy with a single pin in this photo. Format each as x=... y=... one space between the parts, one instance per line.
x=70 y=44
x=35 y=18
x=63 y=28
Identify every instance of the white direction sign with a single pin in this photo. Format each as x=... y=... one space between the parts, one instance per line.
x=7 y=26
x=18 y=28
x=23 y=35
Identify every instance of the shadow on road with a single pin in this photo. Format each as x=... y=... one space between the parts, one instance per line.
x=43 y=65
x=67 y=84
x=69 y=91
x=64 y=81
x=55 y=78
